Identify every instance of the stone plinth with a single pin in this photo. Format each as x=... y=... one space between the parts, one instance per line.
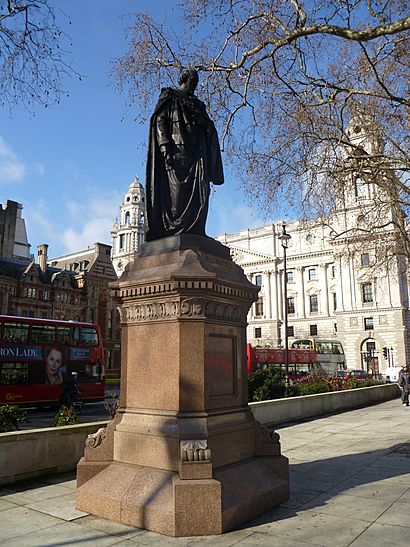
x=184 y=455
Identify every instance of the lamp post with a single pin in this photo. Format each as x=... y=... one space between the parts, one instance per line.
x=284 y=238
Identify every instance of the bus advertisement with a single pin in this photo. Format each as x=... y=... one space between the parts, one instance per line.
x=38 y=355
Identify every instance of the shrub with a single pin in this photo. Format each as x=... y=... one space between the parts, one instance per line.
x=310 y=386
x=11 y=416
x=66 y=416
x=266 y=383
x=112 y=406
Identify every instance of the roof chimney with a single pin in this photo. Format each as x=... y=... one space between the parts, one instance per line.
x=42 y=256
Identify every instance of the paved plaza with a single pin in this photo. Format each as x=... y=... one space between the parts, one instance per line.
x=349 y=480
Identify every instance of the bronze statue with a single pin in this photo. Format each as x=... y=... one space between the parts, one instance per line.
x=183 y=158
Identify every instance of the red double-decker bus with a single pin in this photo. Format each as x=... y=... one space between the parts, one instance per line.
x=301 y=361
x=38 y=355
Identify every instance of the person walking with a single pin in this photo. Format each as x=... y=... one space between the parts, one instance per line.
x=404 y=383
x=71 y=390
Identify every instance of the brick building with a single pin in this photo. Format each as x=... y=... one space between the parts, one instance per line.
x=74 y=286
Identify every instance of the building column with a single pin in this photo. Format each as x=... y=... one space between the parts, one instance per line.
x=267 y=293
x=324 y=289
x=252 y=309
x=274 y=295
x=301 y=292
x=281 y=302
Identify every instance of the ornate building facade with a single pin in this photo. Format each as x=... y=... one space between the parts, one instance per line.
x=127 y=234
x=339 y=285
x=92 y=271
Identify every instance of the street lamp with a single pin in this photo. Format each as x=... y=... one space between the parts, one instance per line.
x=285 y=238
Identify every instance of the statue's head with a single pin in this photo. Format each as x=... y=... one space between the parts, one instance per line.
x=188 y=79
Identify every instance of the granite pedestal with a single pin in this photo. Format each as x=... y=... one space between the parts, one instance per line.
x=184 y=455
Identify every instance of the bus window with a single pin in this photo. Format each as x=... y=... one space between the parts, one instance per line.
x=43 y=334
x=89 y=373
x=324 y=347
x=337 y=348
x=14 y=373
x=88 y=337
x=302 y=344
x=63 y=335
x=15 y=332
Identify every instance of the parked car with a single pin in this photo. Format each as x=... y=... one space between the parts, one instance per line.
x=356 y=374
x=341 y=374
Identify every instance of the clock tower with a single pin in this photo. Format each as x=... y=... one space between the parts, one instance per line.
x=127 y=234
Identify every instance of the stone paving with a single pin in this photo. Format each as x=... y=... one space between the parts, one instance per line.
x=350 y=485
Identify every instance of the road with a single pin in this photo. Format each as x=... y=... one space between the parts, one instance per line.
x=91 y=412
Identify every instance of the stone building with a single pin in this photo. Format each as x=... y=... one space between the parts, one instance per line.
x=92 y=271
x=338 y=285
x=13 y=236
x=127 y=234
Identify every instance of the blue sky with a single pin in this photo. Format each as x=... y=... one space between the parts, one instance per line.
x=70 y=164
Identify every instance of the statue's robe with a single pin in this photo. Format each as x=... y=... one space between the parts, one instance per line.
x=178 y=195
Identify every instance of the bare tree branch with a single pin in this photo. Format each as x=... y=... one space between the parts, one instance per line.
x=32 y=54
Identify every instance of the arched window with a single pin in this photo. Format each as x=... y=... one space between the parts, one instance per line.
x=127 y=217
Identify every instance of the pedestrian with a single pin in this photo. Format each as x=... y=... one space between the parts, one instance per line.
x=71 y=390
x=404 y=384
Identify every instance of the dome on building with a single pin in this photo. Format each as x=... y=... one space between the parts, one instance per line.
x=135 y=193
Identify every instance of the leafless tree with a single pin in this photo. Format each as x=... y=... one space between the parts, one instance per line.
x=283 y=80
x=32 y=55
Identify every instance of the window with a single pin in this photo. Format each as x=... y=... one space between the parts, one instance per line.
x=122 y=242
x=371 y=347
x=258 y=332
x=259 y=307
x=312 y=274
x=258 y=280
x=291 y=304
x=335 y=327
x=16 y=332
x=289 y=277
x=43 y=334
x=46 y=295
x=364 y=259
x=62 y=297
x=333 y=272
x=313 y=330
x=291 y=331
x=127 y=217
x=334 y=301
x=368 y=323
x=367 y=293
x=314 y=306
x=360 y=188
x=63 y=335
x=14 y=373
x=31 y=292
x=85 y=336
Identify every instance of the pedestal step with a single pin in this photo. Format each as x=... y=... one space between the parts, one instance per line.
x=160 y=501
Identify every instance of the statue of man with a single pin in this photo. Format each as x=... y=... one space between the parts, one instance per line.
x=183 y=158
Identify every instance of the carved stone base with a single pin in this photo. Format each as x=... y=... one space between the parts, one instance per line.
x=161 y=501
x=184 y=455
